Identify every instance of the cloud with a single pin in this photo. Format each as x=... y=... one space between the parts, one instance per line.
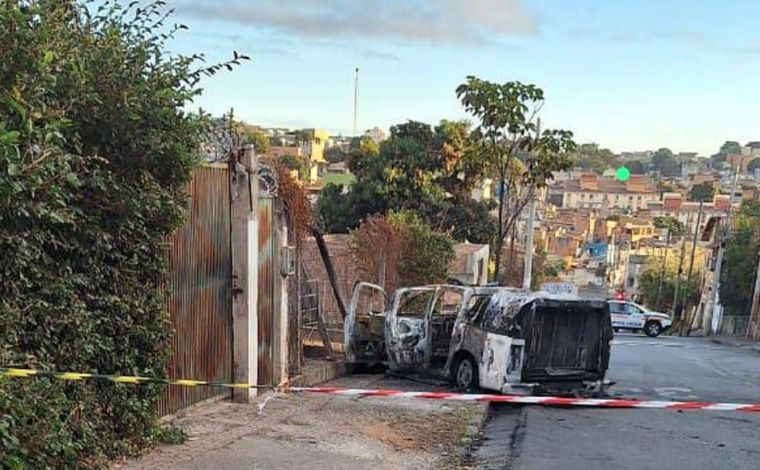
x=685 y=37
x=450 y=22
x=375 y=54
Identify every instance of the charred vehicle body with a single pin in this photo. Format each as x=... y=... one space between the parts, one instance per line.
x=500 y=339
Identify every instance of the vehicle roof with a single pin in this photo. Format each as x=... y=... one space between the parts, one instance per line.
x=513 y=300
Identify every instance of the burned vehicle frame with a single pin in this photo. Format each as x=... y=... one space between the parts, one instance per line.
x=501 y=339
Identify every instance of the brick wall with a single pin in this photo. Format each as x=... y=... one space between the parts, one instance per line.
x=345 y=270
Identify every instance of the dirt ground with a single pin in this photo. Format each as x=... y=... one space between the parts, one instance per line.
x=324 y=432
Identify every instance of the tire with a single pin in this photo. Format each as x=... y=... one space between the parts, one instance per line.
x=465 y=374
x=653 y=329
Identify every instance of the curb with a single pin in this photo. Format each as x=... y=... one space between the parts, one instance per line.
x=472 y=435
x=722 y=342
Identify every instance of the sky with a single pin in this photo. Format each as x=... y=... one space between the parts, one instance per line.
x=628 y=75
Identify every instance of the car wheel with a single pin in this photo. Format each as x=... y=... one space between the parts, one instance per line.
x=652 y=329
x=466 y=374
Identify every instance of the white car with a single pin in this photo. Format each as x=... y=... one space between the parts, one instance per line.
x=631 y=316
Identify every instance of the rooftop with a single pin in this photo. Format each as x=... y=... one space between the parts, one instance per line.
x=637 y=184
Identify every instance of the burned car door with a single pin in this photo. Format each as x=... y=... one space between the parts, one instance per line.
x=441 y=322
x=406 y=332
x=501 y=360
x=364 y=327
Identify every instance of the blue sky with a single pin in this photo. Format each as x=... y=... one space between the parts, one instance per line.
x=629 y=75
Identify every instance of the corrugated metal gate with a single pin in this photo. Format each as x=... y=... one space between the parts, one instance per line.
x=266 y=304
x=199 y=291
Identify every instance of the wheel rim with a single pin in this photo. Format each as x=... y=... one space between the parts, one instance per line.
x=654 y=328
x=464 y=374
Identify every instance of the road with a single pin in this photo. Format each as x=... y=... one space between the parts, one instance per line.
x=665 y=368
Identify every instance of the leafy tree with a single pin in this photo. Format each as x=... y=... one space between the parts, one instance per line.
x=753 y=165
x=335 y=154
x=591 y=157
x=753 y=144
x=522 y=156
x=300 y=164
x=96 y=149
x=428 y=171
x=649 y=283
x=730 y=147
x=636 y=167
x=703 y=192
x=665 y=162
x=400 y=249
x=425 y=254
x=257 y=138
x=740 y=260
x=673 y=225
x=668 y=187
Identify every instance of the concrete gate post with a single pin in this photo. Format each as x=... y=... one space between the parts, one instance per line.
x=245 y=245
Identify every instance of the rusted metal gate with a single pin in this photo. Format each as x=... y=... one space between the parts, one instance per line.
x=266 y=303
x=199 y=291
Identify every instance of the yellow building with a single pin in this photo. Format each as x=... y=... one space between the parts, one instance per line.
x=315 y=146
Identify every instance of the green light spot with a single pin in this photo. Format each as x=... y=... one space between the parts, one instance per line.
x=623 y=174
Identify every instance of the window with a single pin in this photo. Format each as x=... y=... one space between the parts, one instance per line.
x=448 y=302
x=414 y=303
x=632 y=309
x=618 y=308
x=476 y=305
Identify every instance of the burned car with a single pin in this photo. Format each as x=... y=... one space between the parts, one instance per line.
x=501 y=339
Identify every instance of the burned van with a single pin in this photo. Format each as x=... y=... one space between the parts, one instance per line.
x=510 y=340
x=495 y=338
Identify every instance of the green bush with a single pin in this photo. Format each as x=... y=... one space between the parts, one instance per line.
x=425 y=254
x=95 y=150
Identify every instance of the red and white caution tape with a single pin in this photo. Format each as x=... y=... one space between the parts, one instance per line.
x=532 y=400
x=14 y=373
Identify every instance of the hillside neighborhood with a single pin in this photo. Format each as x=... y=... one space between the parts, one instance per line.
x=598 y=231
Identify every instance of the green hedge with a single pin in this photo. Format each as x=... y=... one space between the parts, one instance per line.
x=95 y=150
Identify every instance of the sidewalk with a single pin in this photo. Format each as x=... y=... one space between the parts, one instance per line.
x=737 y=342
x=323 y=432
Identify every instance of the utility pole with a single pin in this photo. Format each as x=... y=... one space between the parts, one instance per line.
x=527 y=271
x=356 y=98
x=676 y=310
x=754 y=319
x=691 y=264
x=715 y=315
x=612 y=256
x=662 y=270
x=694 y=245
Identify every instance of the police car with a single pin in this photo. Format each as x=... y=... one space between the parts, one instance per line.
x=631 y=316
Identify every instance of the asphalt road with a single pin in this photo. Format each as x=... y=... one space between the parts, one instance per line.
x=665 y=368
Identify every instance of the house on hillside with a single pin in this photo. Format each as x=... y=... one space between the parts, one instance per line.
x=591 y=191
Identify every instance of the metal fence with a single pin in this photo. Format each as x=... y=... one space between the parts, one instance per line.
x=199 y=298
x=266 y=285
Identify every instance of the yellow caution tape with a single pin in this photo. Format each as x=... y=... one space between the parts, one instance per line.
x=124 y=379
